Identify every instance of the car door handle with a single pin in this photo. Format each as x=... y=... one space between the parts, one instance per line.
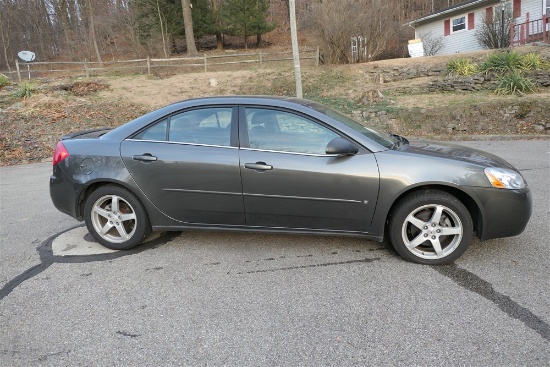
x=144 y=158
x=258 y=166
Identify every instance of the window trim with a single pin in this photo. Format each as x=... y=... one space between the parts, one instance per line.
x=465 y=23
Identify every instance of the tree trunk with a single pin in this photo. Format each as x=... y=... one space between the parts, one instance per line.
x=92 y=33
x=219 y=40
x=216 y=14
x=62 y=9
x=162 y=31
x=188 y=23
x=5 y=43
x=258 y=40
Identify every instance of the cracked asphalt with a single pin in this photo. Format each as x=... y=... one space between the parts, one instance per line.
x=239 y=299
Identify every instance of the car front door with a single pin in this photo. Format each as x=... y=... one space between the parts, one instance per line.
x=188 y=165
x=290 y=182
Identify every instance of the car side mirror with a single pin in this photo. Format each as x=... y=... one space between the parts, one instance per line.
x=341 y=147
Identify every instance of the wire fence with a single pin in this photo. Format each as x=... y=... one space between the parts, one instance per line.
x=206 y=63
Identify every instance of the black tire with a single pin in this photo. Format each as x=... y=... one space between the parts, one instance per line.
x=415 y=229
x=120 y=228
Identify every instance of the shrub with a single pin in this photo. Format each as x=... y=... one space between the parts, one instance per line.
x=533 y=61
x=3 y=81
x=462 y=67
x=25 y=90
x=515 y=83
x=502 y=62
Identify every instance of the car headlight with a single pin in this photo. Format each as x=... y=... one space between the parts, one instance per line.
x=503 y=178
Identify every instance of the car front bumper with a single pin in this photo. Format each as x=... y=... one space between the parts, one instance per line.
x=505 y=213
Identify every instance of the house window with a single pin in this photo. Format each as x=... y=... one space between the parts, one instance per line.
x=459 y=24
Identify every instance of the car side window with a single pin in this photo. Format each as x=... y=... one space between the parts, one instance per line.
x=157 y=132
x=209 y=126
x=286 y=132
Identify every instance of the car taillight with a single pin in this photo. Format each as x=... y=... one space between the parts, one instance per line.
x=60 y=153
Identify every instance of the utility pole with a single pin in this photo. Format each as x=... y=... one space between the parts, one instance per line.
x=295 y=51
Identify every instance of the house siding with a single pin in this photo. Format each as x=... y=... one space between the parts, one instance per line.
x=462 y=41
x=465 y=40
x=534 y=8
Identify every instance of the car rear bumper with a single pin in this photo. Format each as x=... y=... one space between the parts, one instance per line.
x=63 y=193
x=505 y=212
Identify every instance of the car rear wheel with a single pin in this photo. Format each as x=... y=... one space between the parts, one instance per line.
x=430 y=227
x=116 y=218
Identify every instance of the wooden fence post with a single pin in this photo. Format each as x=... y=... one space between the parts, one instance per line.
x=86 y=68
x=317 y=57
x=18 y=71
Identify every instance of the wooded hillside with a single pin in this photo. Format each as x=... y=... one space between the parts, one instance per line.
x=115 y=29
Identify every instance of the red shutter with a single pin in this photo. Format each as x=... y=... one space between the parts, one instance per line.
x=471 y=21
x=489 y=15
x=517 y=8
x=447 y=27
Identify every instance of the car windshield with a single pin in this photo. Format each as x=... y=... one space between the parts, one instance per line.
x=385 y=140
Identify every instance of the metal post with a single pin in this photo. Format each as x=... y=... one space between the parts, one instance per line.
x=260 y=59
x=502 y=29
x=148 y=65
x=295 y=51
x=503 y=5
x=29 y=70
x=205 y=64
x=18 y=71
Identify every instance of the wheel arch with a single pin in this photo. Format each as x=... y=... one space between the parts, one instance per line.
x=468 y=200
x=93 y=186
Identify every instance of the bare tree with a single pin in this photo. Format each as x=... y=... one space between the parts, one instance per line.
x=92 y=31
x=490 y=35
x=5 y=39
x=334 y=23
x=432 y=44
x=162 y=30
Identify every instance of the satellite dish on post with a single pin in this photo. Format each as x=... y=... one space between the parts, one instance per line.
x=26 y=56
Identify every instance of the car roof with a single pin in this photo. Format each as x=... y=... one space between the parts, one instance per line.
x=243 y=100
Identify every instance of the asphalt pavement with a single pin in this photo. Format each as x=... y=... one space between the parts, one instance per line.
x=239 y=299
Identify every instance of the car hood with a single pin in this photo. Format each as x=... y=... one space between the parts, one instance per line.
x=455 y=152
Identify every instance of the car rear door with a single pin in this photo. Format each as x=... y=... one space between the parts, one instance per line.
x=290 y=182
x=187 y=164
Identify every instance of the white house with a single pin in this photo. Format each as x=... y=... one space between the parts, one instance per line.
x=456 y=26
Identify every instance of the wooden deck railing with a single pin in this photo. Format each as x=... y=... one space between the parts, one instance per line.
x=530 y=31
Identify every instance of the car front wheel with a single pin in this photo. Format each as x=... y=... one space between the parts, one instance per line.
x=430 y=227
x=116 y=218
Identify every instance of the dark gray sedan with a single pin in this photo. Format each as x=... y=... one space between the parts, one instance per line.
x=283 y=165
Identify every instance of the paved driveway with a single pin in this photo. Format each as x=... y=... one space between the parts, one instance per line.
x=204 y=298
